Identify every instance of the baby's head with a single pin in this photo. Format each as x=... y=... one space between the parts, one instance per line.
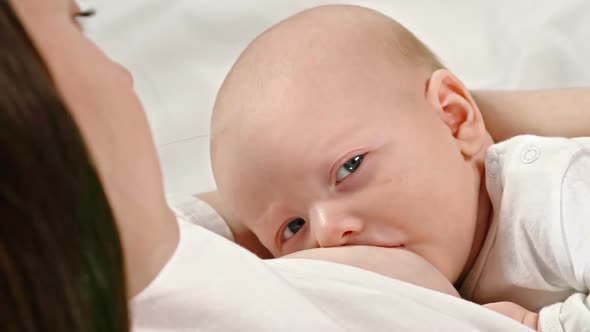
x=338 y=127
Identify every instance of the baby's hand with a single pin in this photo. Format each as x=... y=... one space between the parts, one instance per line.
x=516 y=312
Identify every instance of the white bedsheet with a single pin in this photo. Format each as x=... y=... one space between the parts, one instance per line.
x=180 y=50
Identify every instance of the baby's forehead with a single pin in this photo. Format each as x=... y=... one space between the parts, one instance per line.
x=306 y=122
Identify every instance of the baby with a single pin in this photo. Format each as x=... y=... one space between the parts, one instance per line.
x=337 y=127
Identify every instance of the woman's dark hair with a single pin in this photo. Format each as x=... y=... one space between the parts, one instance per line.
x=61 y=263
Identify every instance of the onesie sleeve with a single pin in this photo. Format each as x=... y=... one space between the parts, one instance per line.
x=571 y=315
x=574 y=313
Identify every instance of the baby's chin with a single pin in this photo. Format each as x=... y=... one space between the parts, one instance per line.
x=396 y=263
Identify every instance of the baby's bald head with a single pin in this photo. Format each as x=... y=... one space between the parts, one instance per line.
x=338 y=127
x=323 y=53
x=276 y=65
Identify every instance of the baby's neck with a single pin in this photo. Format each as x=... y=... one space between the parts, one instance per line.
x=484 y=213
x=481 y=229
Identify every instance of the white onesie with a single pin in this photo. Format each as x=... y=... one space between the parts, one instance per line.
x=537 y=252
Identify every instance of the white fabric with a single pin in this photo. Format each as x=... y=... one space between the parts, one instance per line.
x=192 y=210
x=210 y=284
x=537 y=251
x=538 y=44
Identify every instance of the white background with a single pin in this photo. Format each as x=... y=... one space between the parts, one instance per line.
x=180 y=50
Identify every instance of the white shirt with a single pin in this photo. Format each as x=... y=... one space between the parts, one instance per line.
x=211 y=284
x=537 y=251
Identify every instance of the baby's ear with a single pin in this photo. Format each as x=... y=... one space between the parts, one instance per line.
x=457 y=109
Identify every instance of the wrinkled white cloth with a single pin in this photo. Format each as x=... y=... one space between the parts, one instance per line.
x=188 y=208
x=537 y=252
x=211 y=284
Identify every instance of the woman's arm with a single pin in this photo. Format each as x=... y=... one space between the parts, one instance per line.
x=556 y=112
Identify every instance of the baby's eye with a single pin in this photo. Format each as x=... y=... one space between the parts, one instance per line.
x=292 y=228
x=349 y=167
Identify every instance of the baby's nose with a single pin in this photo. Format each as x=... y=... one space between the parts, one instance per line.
x=334 y=230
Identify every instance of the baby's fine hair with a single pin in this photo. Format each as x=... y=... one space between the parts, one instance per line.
x=415 y=51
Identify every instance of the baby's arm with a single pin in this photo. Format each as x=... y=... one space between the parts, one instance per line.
x=563 y=260
x=395 y=263
x=573 y=314
x=557 y=112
